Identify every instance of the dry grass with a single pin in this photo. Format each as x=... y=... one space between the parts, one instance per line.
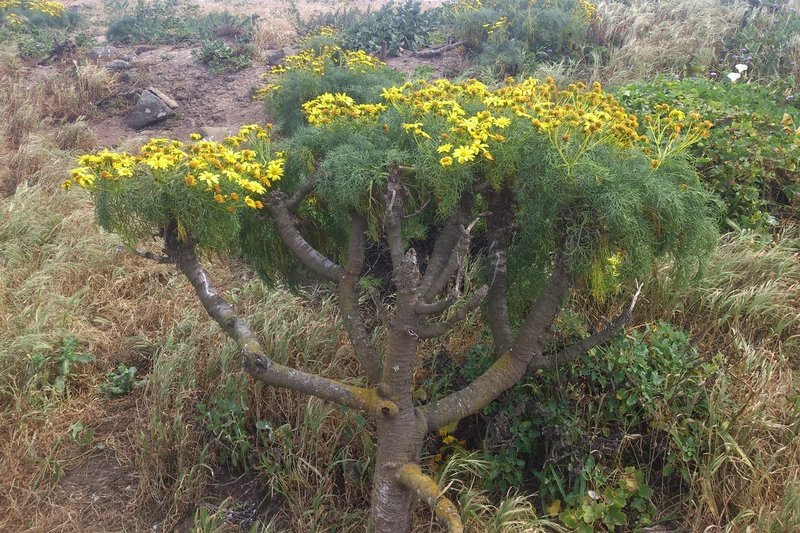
x=745 y=314
x=650 y=37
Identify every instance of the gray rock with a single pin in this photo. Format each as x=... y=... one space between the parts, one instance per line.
x=276 y=56
x=218 y=133
x=117 y=65
x=149 y=110
x=103 y=52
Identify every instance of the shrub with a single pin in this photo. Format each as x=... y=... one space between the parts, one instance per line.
x=498 y=30
x=323 y=68
x=768 y=42
x=560 y=174
x=633 y=402
x=388 y=31
x=169 y=22
x=222 y=58
x=751 y=157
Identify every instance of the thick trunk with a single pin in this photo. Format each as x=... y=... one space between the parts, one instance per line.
x=399 y=443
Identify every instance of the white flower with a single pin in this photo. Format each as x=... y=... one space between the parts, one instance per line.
x=733 y=76
x=741 y=67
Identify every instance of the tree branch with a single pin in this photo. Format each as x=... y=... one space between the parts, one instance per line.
x=511 y=365
x=300 y=195
x=152 y=257
x=443 y=248
x=584 y=345
x=395 y=206
x=437 y=329
x=412 y=478
x=296 y=243
x=348 y=288
x=500 y=219
x=435 y=52
x=453 y=263
x=436 y=307
x=256 y=362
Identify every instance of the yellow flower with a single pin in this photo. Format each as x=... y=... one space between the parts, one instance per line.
x=445 y=148
x=195 y=136
x=274 y=170
x=446 y=161
x=464 y=154
x=190 y=180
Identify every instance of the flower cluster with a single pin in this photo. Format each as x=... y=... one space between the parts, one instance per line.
x=235 y=173
x=671 y=131
x=315 y=60
x=501 y=23
x=48 y=7
x=328 y=107
x=575 y=119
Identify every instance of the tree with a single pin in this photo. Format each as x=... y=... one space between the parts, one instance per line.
x=542 y=191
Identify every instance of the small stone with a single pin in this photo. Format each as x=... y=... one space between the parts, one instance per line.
x=149 y=110
x=117 y=65
x=276 y=56
x=217 y=133
x=103 y=52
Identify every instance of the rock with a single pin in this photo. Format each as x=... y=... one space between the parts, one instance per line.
x=217 y=133
x=276 y=56
x=149 y=110
x=163 y=96
x=103 y=52
x=117 y=65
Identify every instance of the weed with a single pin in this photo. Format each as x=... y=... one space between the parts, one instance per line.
x=121 y=381
x=222 y=58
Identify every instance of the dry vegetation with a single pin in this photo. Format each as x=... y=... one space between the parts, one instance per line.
x=151 y=462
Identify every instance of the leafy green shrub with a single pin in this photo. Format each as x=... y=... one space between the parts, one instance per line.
x=573 y=434
x=324 y=68
x=35 y=25
x=390 y=29
x=222 y=58
x=53 y=370
x=751 y=157
x=169 y=22
x=505 y=30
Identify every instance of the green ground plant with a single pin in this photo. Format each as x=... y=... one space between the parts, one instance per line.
x=387 y=31
x=751 y=157
x=121 y=381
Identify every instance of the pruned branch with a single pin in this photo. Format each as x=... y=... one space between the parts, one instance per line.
x=256 y=362
x=162 y=259
x=360 y=338
x=300 y=195
x=453 y=263
x=437 y=329
x=439 y=306
x=582 y=346
x=412 y=478
x=296 y=243
x=511 y=365
x=435 y=52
